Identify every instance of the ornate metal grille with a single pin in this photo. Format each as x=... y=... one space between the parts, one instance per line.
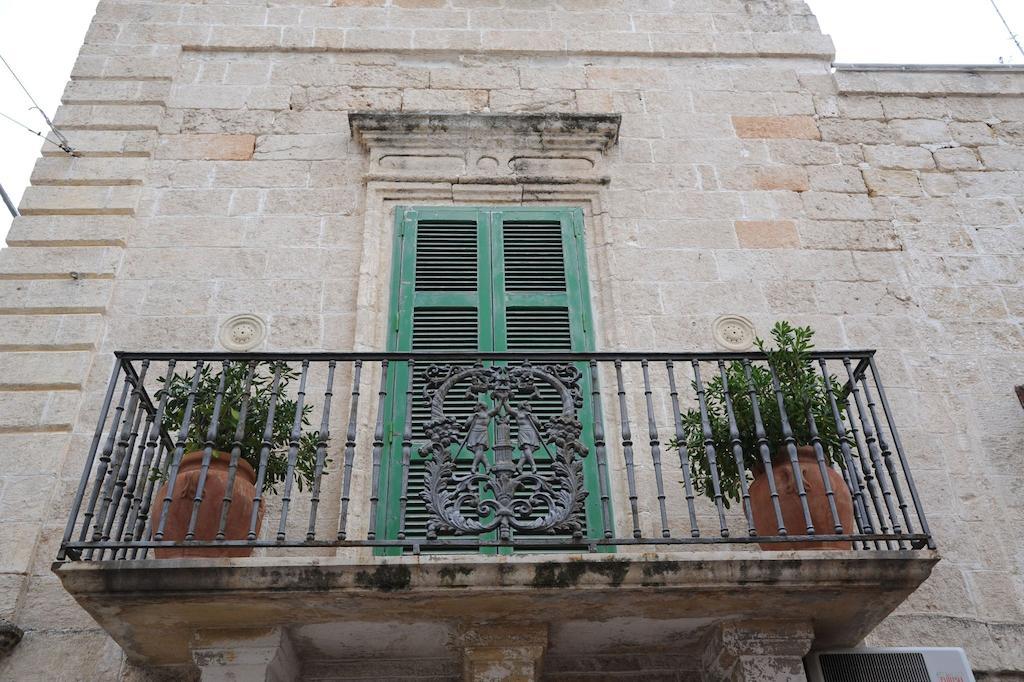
x=489 y=491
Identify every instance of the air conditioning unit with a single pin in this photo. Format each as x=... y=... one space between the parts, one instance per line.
x=889 y=665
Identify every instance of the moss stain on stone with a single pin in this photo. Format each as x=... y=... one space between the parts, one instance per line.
x=613 y=569
x=386 y=578
x=449 y=574
x=553 y=574
x=658 y=569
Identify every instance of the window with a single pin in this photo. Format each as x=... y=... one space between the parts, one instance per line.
x=468 y=279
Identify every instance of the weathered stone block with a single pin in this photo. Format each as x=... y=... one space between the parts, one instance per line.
x=37 y=411
x=892 y=183
x=844 y=179
x=1002 y=158
x=833 y=206
x=899 y=158
x=776 y=127
x=54 y=296
x=79 y=200
x=41 y=371
x=206 y=147
x=19 y=262
x=767 y=234
x=68 y=231
x=108 y=117
x=957 y=158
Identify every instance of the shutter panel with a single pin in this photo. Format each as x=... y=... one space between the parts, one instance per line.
x=467 y=280
x=538 y=315
x=449 y=264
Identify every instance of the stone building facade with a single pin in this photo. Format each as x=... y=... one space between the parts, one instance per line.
x=221 y=172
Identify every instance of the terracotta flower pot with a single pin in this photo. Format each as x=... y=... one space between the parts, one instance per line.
x=789 y=501
x=208 y=520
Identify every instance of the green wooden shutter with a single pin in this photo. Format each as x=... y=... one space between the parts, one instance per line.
x=479 y=279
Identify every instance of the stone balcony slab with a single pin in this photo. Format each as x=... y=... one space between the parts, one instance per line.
x=356 y=609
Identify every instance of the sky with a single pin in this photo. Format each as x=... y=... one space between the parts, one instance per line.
x=40 y=40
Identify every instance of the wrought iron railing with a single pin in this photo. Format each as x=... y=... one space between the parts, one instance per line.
x=444 y=452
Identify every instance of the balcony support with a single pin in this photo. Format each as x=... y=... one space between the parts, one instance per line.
x=503 y=652
x=757 y=651
x=261 y=655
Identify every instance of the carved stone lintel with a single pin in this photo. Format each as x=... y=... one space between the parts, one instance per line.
x=486 y=148
x=596 y=132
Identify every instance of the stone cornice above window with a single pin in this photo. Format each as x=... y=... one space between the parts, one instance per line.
x=488 y=148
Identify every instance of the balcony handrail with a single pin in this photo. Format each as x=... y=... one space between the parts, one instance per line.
x=117 y=499
x=540 y=355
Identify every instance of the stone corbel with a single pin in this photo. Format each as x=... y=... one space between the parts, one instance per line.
x=260 y=656
x=486 y=149
x=503 y=651
x=761 y=651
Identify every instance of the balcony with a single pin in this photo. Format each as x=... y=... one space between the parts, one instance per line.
x=328 y=494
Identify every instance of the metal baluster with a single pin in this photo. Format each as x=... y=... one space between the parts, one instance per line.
x=350 y=448
x=293 y=451
x=684 y=455
x=323 y=438
x=790 y=442
x=378 y=445
x=872 y=444
x=211 y=437
x=709 y=449
x=737 y=449
x=121 y=451
x=236 y=452
x=83 y=482
x=850 y=472
x=120 y=480
x=858 y=521
x=147 y=481
x=600 y=450
x=265 y=445
x=104 y=465
x=403 y=497
x=131 y=486
x=652 y=430
x=627 y=449
x=900 y=452
x=179 y=449
x=887 y=457
x=144 y=523
x=141 y=521
x=762 y=446
x=864 y=473
x=823 y=467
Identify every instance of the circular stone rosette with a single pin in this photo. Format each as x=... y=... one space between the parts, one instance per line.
x=243 y=332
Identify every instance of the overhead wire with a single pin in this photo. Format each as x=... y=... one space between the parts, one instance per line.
x=63 y=142
x=34 y=132
x=1013 y=36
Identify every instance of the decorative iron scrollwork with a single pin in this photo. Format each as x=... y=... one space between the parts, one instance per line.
x=505 y=493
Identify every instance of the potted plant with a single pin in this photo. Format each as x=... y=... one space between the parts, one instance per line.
x=247 y=400
x=803 y=391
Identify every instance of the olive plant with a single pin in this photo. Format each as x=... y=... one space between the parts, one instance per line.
x=260 y=392
x=803 y=391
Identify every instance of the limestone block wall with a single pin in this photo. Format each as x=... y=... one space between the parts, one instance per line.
x=217 y=175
